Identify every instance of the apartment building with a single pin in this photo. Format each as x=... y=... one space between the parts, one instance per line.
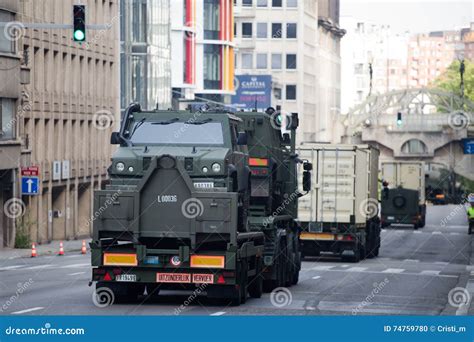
x=74 y=106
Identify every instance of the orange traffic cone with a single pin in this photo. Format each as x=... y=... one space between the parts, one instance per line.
x=61 y=248
x=84 y=248
x=33 y=250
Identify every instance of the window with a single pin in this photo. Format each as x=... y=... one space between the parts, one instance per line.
x=291 y=30
x=276 y=61
x=292 y=3
x=262 y=3
x=212 y=70
x=211 y=19
x=414 y=146
x=276 y=3
x=7 y=112
x=139 y=83
x=247 y=3
x=277 y=93
x=276 y=30
x=262 y=29
x=6 y=42
x=261 y=61
x=291 y=92
x=291 y=61
x=139 y=21
x=247 y=61
x=246 y=30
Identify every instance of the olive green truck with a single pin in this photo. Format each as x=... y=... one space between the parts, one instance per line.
x=202 y=199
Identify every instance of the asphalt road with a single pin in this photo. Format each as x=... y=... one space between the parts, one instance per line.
x=413 y=275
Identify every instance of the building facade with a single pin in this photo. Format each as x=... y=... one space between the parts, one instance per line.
x=73 y=107
x=11 y=101
x=202 y=46
x=280 y=38
x=145 y=53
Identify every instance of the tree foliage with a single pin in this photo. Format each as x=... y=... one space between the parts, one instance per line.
x=450 y=80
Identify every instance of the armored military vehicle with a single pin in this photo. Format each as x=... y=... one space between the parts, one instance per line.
x=179 y=214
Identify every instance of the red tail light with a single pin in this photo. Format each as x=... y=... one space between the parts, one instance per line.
x=107 y=277
x=220 y=279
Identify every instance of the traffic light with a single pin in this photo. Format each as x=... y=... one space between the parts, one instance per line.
x=399 y=119
x=79 y=30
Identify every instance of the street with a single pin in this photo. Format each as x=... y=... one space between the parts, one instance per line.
x=412 y=276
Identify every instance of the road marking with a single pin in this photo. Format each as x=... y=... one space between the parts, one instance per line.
x=316 y=277
x=218 y=313
x=76 y=265
x=454 y=233
x=356 y=269
x=38 y=267
x=417 y=232
x=441 y=263
x=7 y=268
x=27 y=310
x=430 y=272
x=322 y=268
x=77 y=273
x=393 y=270
x=436 y=233
x=411 y=260
x=344 y=266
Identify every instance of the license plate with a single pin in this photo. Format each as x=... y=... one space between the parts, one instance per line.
x=391 y=217
x=173 y=278
x=316 y=236
x=126 y=277
x=204 y=185
x=203 y=278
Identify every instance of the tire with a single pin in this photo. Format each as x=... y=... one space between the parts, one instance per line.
x=399 y=201
x=256 y=284
x=357 y=254
x=244 y=281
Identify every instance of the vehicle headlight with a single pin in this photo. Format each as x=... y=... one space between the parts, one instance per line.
x=205 y=169
x=120 y=166
x=216 y=167
x=131 y=169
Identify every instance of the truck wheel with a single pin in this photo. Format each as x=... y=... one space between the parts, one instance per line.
x=256 y=284
x=243 y=210
x=244 y=282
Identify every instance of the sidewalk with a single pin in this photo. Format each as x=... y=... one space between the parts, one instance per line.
x=73 y=246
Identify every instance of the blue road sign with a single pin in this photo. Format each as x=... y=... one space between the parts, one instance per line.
x=29 y=185
x=468 y=146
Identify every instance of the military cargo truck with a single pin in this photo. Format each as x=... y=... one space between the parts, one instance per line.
x=341 y=213
x=403 y=195
x=176 y=214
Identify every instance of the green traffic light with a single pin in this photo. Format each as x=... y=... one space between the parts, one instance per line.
x=79 y=35
x=399 y=122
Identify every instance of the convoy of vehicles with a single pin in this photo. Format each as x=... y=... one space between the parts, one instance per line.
x=403 y=196
x=340 y=215
x=198 y=199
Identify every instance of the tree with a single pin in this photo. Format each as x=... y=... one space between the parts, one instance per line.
x=450 y=80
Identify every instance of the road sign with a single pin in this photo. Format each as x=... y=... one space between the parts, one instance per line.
x=30 y=171
x=468 y=145
x=29 y=185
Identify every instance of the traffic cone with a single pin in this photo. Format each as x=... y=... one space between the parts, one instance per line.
x=33 y=250
x=61 y=248
x=84 y=248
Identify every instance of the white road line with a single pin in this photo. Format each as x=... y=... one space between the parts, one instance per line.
x=393 y=270
x=430 y=272
x=218 y=313
x=38 y=267
x=316 y=277
x=356 y=269
x=417 y=232
x=411 y=260
x=454 y=233
x=441 y=263
x=344 y=266
x=322 y=268
x=27 y=310
x=76 y=265
x=77 y=273
x=7 y=268
x=436 y=233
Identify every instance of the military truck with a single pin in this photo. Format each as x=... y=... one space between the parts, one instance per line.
x=340 y=215
x=403 y=195
x=179 y=212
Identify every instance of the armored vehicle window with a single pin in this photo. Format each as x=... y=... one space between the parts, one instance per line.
x=178 y=133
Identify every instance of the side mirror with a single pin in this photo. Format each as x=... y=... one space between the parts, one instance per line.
x=242 y=138
x=306 y=181
x=115 y=138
